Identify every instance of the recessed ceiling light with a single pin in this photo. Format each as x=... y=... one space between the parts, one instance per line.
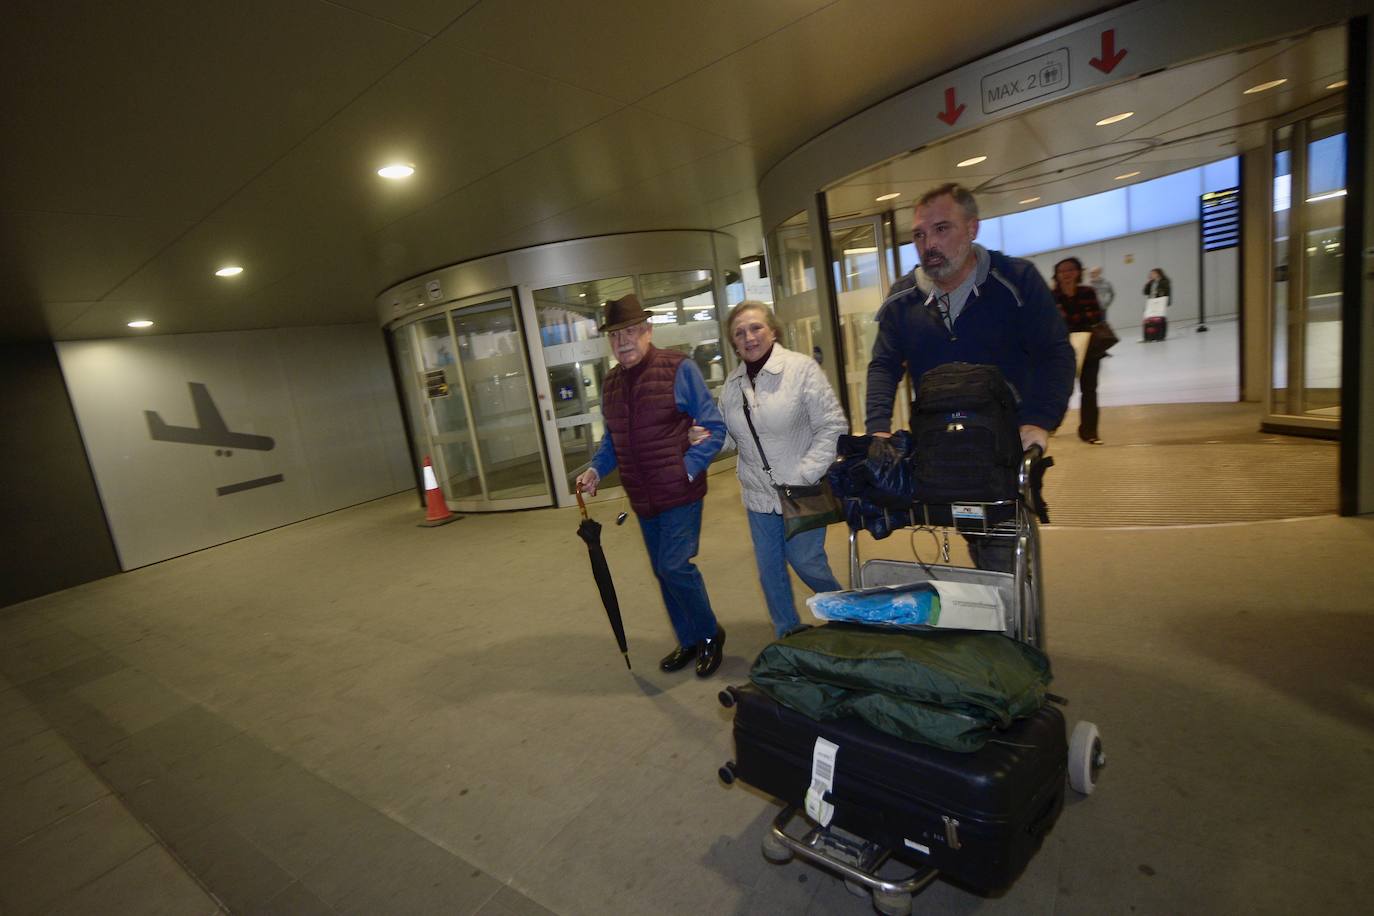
x=1114 y=118
x=967 y=162
x=1030 y=200
x=140 y=323
x=894 y=194
x=396 y=170
x=1127 y=175
x=1338 y=84
x=232 y=270
x=1263 y=86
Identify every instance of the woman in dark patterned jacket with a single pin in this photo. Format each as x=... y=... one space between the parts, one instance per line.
x=1078 y=304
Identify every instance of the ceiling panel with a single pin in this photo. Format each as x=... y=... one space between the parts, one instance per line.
x=429 y=17
x=788 y=87
x=624 y=49
x=166 y=107
x=479 y=117
x=65 y=256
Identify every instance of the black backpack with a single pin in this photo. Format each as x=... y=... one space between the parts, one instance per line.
x=966 y=438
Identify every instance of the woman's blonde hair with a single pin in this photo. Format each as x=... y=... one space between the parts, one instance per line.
x=746 y=305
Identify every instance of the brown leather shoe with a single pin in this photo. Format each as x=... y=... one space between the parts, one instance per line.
x=712 y=651
x=677 y=659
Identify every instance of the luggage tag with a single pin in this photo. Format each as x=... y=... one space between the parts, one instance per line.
x=822 y=781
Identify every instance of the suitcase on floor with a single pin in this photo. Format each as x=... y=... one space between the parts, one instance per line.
x=1156 y=328
x=977 y=818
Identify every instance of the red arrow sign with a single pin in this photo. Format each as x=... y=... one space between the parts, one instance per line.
x=951 y=113
x=1110 y=55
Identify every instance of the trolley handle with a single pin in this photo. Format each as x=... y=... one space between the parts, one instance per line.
x=1031 y=477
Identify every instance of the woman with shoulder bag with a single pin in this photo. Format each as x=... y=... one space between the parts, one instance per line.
x=1090 y=336
x=785 y=421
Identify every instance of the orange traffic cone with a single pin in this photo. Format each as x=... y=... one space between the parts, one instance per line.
x=436 y=510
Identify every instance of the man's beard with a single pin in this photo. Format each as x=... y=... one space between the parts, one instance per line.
x=948 y=265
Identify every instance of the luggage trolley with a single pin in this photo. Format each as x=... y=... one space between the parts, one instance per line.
x=856 y=859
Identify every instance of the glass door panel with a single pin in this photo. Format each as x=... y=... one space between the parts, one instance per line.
x=1283 y=209
x=859 y=270
x=1308 y=259
x=1323 y=263
x=491 y=354
x=446 y=408
x=577 y=359
x=686 y=319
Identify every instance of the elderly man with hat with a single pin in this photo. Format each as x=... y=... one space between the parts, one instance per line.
x=649 y=402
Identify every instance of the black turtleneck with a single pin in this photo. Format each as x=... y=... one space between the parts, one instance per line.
x=753 y=368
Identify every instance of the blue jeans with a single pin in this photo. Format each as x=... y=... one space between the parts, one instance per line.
x=772 y=552
x=671 y=538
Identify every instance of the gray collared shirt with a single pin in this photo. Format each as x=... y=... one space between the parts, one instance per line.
x=952 y=303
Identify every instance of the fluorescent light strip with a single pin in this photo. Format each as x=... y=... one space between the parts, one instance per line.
x=894 y=194
x=1115 y=118
x=1264 y=86
x=1029 y=200
x=140 y=323
x=968 y=162
x=1330 y=195
x=1338 y=84
x=1127 y=175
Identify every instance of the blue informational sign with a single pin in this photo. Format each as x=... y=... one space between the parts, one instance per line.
x=566 y=394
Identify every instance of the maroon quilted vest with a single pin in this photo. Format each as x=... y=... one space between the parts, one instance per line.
x=650 y=434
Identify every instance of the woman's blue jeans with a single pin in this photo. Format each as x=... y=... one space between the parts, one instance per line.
x=772 y=552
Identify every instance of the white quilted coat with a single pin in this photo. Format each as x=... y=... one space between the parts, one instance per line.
x=798 y=419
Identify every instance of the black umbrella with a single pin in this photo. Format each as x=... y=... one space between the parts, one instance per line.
x=590 y=531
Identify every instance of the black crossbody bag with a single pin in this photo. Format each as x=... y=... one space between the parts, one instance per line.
x=804 y=506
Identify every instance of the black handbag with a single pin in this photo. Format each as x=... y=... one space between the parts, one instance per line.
x=1103 y=339
x=804 y=506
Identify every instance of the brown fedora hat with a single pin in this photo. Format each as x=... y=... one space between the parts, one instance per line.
x=623 y=312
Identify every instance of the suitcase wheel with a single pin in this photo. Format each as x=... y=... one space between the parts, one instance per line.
x=1086 y=758
x=774 y=850
x=891 y=904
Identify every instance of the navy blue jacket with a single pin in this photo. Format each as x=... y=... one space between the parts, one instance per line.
x=1010 y=321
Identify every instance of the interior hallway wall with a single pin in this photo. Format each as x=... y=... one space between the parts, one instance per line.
x=1127 y=260
x=55 y=532
x=198 y=439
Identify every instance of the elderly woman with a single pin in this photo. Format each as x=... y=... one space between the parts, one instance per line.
x=797 y=419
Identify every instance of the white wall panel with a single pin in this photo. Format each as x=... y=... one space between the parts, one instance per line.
x=323 y=396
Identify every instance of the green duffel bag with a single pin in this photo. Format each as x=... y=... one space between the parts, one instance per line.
x=948 y=688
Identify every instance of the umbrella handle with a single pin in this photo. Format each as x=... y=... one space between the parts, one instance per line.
x=581 y=504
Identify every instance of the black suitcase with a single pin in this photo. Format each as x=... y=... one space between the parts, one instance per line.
x=977 y=818
x=1155 y=328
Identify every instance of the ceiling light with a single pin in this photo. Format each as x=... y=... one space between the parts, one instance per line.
x=233 y=270
x=140 y=323
x=1263 y=86
x=582 y=295
x=396 y=170
x=1114 y=118
x=888 y=196
x=1030 y=200
x=1127 y=175
x=967 y=162
x=1338 y=84
x=1327 y=196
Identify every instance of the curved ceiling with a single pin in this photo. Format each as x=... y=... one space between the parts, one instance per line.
x=148 y=144
x=1182 y=117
